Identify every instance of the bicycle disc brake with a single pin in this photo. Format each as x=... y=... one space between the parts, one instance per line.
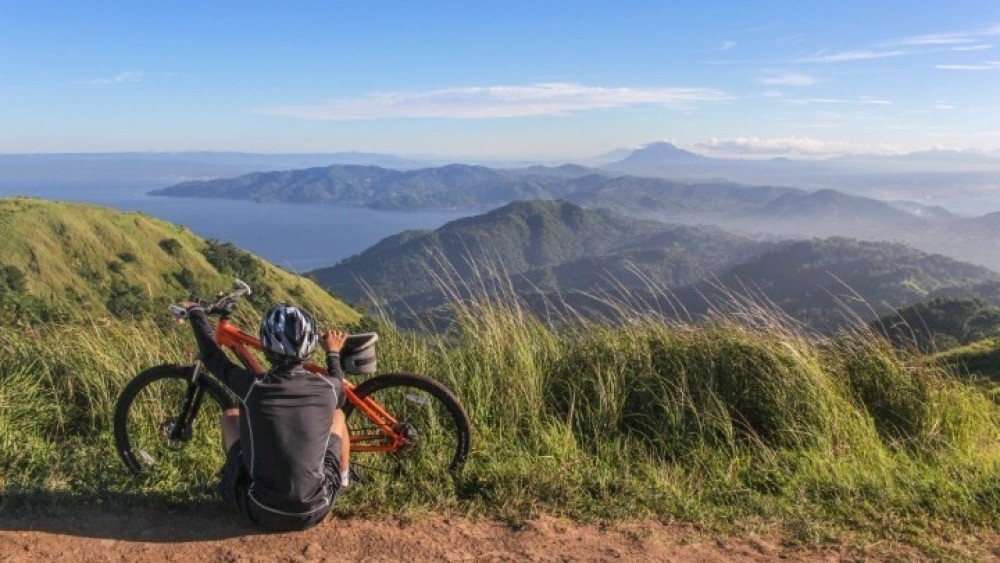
x=176 y=438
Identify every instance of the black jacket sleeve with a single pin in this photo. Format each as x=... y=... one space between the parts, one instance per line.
x=218 y=363
x=337 y=376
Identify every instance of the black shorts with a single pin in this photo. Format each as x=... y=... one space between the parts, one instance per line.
x=234 y=488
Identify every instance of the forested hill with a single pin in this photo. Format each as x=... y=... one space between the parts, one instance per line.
x=539 y=245
x=836 y=282
x=566 y=253
x=70 y=261
x=452 y=186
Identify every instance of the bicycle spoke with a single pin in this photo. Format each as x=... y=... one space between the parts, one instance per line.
x=426 y=430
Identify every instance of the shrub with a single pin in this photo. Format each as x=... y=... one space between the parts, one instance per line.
x=228 y=259
x=171 y=246
x=13 y=278
x=185 y=277
x=126 y=300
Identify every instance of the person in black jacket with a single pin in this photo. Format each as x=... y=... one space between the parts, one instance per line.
x=287 y=446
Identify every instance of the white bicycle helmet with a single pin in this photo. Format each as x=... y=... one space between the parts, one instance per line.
x=288 y=332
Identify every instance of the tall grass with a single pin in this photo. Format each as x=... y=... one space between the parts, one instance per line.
x=736 y=418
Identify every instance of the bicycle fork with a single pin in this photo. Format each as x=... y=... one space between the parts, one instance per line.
x=180 y=429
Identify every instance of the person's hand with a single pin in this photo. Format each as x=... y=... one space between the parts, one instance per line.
x=332 y=340
x=188 y=304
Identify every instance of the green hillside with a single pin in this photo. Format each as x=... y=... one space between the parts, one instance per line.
x=554 y=253
x=537 y=247
x=515 y=238
x=940 y=324
x=978 y=360
x=67 y=261
x=833 y=283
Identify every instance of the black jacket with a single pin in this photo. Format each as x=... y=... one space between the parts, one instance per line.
x=285 y=418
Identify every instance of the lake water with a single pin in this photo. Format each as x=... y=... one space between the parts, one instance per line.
x=299 y=237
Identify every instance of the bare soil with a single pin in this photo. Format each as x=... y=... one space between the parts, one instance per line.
x=209 y=534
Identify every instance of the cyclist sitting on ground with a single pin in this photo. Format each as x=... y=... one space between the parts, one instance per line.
x=287 y=446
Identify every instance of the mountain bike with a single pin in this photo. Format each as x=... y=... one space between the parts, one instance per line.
x=166 y=418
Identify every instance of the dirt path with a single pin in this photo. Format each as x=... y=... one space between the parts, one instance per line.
x=82 y=534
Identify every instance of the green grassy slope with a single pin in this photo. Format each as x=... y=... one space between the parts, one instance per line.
x=720 y=424
x=73 y=260
x=977 y=360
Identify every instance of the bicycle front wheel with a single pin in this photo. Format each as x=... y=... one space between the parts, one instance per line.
x=426 y=414
x=167 y=426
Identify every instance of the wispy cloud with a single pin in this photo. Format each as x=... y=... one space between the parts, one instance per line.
x=483 y=102
x=953 y=38
x=789 y=79
x=726 y=46
x=914 y=45
x=977 y=47
x=848 y=56
x=988 y=65
x=120 y=78
x=862 y=100
x=780 y=146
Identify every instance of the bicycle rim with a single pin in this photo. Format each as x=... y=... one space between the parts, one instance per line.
x=147 y=414
x=430 y=418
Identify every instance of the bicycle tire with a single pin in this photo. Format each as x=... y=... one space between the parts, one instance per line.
x=139 y=429
x=453 y=430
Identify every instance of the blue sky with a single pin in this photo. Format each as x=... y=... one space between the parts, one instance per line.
x=543 y=79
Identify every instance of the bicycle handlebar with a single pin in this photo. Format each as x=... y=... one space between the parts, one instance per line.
x=222 y=305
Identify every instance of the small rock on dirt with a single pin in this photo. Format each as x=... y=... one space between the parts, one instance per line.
x=313 y=552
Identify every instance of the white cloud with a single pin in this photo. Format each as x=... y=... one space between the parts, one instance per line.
x=120 y=78
x=914 y=45
x=988 y=65
x=862 y=100
x=483 y=102
x=848 y=56
x=954 y=38
x=938 y=39
x=789 y=79
x=979 y=47
x=790 y=146
x=726 y=46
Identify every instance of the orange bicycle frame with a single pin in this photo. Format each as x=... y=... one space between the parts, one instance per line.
x=229 y=336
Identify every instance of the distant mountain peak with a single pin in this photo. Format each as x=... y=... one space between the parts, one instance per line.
x=666 y=150
x=659 y=156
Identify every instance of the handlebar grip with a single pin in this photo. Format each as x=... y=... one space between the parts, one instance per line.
x=178 y=311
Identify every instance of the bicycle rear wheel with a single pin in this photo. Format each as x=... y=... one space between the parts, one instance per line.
x=432 y=420
x=155 y=434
